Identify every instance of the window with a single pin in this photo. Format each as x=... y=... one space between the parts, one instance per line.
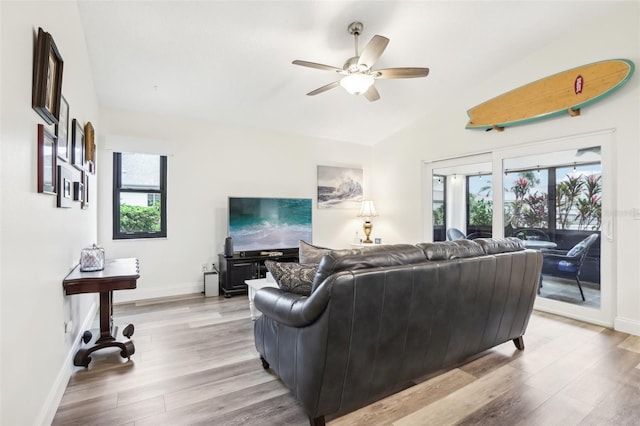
x=439 y=212
x=139 y=195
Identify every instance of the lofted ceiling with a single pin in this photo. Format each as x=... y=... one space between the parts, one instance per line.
x=230 y=61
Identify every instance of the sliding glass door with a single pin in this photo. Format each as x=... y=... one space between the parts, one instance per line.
x=554 y=196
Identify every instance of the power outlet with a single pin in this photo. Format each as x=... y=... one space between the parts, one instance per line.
x=68 y=326
x=204 y=267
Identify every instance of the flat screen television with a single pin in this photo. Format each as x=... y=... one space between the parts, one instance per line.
x=269 y=223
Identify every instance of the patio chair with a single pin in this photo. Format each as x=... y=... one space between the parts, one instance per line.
x=568 y=263
x=455 y=234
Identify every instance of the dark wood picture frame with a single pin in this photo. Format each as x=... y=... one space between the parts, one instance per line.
x=47 y=163
x=89 y=147
x=47 y=78
x=62 y=130
x=77 y=145
x=65 y=187
x=85 y=198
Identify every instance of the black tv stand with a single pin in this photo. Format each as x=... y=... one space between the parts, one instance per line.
x=247 y=265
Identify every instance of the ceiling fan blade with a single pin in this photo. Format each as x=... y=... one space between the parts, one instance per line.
x=317 y=66
x=373 y=50
x=324 y=88
x=402 y=72
x=372 y=93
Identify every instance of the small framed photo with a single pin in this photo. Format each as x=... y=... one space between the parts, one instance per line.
x=77 y=145
x=78 y=191
x=65 y=187
x=85 y=198
x=62 y=130
x=47 y=78
x=46 y=161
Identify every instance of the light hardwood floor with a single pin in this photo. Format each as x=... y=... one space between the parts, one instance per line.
x=195 y=364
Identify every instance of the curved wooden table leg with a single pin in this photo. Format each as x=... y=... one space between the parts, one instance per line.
x=82 y=357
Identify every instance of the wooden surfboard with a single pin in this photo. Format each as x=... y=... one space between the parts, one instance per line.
x=565 y=92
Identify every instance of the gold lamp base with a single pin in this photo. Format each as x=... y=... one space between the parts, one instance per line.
x=367 y=227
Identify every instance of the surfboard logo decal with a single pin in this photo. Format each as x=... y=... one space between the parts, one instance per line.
x=578 y=84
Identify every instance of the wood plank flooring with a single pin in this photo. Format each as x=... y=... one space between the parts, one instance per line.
x=195 y=364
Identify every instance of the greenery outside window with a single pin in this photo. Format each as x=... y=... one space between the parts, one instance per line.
x=139 y=195
x=479 y=205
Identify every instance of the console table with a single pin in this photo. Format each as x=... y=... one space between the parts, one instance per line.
x=118 y=274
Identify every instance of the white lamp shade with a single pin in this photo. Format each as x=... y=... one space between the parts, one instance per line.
x=367 y=209
x=357 y=83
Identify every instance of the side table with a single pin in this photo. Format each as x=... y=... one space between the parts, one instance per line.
x=118 y=274
x=253 y=286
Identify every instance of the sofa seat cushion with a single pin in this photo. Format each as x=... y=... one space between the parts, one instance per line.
x=291 y=276
x=446 y=250
x=367 y=258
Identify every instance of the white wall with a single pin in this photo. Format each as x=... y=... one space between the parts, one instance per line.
x=40 y=243
x=397 y=162
x=207 y=163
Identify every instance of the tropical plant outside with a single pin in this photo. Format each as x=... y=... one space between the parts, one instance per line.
x=480 y=202
x=480 y=211
x=578 y=203
x=438 y=215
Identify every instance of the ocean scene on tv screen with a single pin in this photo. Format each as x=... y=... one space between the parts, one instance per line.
x=269 y=223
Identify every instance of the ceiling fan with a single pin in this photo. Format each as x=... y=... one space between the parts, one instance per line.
x=358 y=75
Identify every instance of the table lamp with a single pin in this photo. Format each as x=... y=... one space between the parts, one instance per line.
x=367 y=210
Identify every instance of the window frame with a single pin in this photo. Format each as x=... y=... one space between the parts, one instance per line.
x=118 y=190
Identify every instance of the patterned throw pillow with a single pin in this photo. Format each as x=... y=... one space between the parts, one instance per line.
x=310 y=254
x=291 y=276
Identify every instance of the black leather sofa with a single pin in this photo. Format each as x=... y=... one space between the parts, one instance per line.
x=378 y=319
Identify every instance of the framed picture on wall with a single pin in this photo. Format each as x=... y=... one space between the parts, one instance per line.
x=85 y=198
x=47 y=78
x=46 y=161
x=62 y=130
x=65 y=187
x=339 y=187
x=77 y=145
x=89 y=147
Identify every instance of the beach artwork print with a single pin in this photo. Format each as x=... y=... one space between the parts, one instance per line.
x=339 y=187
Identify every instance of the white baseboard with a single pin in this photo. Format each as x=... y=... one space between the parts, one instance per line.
x=627 y=325
x=152 y=293
x=50 y=407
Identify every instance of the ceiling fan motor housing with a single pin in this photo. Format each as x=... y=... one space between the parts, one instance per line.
x=351 y=66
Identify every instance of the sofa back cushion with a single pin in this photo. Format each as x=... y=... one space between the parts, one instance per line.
x=500 y=245
x=310 y=254
x=366 y=258
x=445 y=250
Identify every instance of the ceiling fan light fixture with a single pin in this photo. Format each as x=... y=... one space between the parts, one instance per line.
x=357 y=83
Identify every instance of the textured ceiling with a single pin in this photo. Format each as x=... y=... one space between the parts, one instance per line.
x=230 y=61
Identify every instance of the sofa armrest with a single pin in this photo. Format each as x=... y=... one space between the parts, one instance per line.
x=291 y=309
